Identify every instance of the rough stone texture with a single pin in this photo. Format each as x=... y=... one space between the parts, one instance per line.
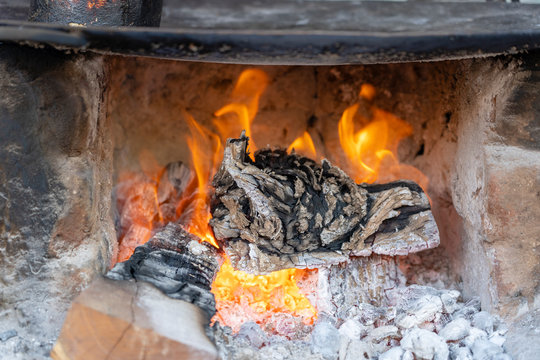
x=456 y=110
x=56 y=231
x=132 y=320
x=495 y=186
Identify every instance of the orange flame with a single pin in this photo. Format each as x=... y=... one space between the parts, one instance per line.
x=205 y=162
x=264 y=295
x=372 y=151
x=139 y=211
x=244 y=104
x=258 y=298
x=303 y=145
x=97 y=3
x=236 y=291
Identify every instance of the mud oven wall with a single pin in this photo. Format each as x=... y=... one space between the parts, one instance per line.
x=70 y=122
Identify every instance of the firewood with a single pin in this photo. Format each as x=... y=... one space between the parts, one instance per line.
x=131 y=320
x=177 y=264
x=284 y=210
x=173 y=182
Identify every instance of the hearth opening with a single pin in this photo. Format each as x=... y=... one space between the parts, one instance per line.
x=156 y=187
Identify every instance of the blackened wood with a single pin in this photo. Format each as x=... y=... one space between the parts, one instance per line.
x=176 y=263
x=284 y=210
x=172 y=184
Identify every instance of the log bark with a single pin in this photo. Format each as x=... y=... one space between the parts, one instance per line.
x=176 y=263
x=284 y=210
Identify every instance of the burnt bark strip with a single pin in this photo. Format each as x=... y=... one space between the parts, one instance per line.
x=176 y=263
x=284 y=210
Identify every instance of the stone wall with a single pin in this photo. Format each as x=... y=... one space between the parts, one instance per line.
x=56 y=231
x=496 y=190
x=496 y=184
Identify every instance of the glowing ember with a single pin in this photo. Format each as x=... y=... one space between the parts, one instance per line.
x=243 y=297
x=97 y=3
x=240 y=297
x=372 y=151
x=138 y=205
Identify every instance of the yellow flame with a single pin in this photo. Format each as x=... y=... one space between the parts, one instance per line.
x=244 y=104
x=206 y=150
x=372 y=151
x=263 y=294
x=303 y=145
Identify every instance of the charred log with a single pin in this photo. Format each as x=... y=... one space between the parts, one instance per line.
x=176 y=263
x=173 y=182
x=284 y=210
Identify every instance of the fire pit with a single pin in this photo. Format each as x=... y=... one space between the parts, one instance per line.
x=281 y=210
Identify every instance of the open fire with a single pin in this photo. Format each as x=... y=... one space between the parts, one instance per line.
x=147 y=201
x=316 y=260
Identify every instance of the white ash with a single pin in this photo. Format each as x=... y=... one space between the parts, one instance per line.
x=325 y=339
x=430 y=267
x=425 y=344
x=422 y=323
x=455 y=330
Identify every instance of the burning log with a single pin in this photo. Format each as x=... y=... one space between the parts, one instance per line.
x=176 y=263
x=284 y=210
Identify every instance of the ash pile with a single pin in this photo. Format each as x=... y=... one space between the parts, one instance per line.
x=425 y=323
x=282 y=210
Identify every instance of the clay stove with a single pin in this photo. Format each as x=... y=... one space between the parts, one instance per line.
x=76 y=121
